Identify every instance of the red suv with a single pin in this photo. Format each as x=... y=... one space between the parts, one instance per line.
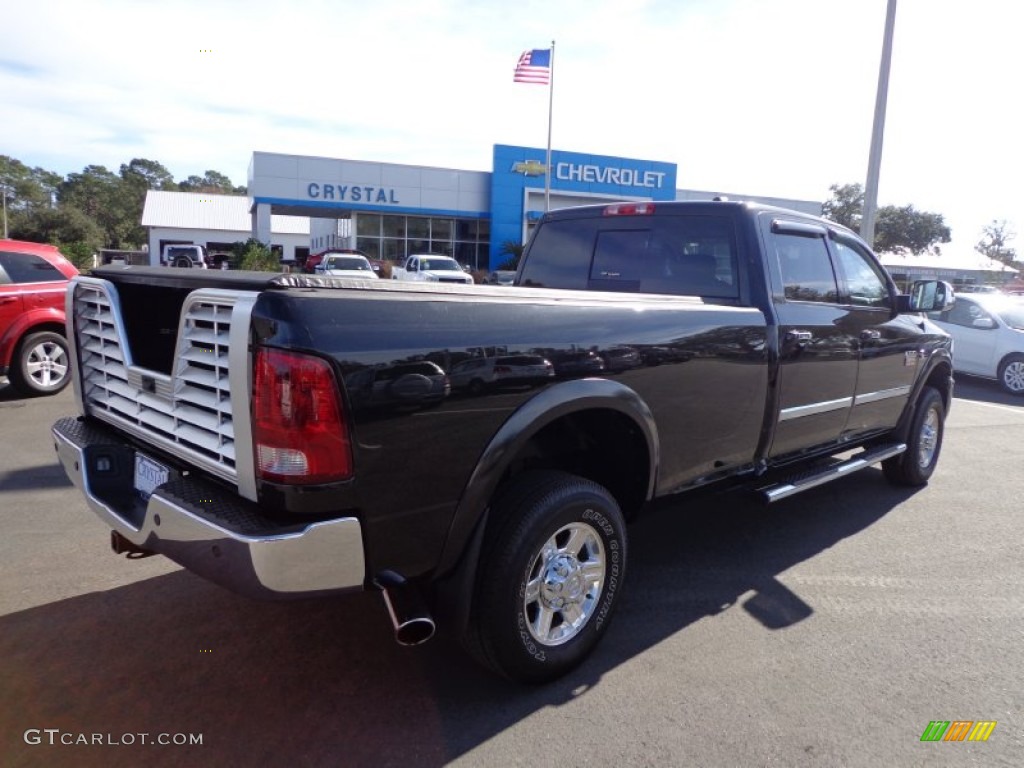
x=33 y=350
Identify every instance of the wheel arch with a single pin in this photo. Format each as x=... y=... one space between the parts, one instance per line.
x=581 y=408
x=939 y=375
x=34 y=321
x=563 y=427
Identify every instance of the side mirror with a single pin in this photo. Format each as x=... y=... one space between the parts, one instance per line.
x=927 y=296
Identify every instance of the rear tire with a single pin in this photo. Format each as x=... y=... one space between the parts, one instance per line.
x=551 y=569
x=1011 y=374
x=41 y=364
x=914 y=467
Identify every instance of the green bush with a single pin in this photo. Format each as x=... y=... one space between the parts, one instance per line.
x=256 y=256
x=513 y=249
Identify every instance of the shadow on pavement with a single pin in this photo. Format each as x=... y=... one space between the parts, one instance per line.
x=322 y=682
x=35 y=478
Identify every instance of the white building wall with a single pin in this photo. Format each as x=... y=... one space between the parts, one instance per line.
x=325 y=234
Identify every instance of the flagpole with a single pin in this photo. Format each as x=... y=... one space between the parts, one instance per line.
x=551 y=101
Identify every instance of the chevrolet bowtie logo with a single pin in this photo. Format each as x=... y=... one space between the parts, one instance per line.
x=530 y=168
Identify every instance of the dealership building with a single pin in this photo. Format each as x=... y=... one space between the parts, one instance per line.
x=302 y=205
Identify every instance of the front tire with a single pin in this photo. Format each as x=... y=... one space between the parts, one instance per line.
x=41 y=364
x=551 y=570
x=915 y=466
x=1011 y=374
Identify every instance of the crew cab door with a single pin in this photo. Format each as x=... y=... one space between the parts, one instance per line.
x=887 y=343
x=817 y=346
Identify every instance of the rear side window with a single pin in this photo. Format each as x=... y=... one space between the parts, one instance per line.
x=28 y=268
x=806 y=268
x=682 y=255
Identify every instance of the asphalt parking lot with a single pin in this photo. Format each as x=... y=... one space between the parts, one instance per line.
x=829 y=629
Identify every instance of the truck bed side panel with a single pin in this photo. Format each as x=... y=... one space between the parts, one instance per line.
x=701 y=369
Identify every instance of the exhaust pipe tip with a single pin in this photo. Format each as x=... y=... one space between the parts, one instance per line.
x=410 y=617
x=415 y=631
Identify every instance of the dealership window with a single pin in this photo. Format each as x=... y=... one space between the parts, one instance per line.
x=395 y=237
x=394 y=226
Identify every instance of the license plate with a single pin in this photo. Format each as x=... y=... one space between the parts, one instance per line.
x=148 y=475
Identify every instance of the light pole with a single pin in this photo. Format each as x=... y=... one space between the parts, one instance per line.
x=867 y=222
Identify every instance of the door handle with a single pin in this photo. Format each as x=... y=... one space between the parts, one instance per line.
x=870 y=334
x=7 y=299
x=800 y=337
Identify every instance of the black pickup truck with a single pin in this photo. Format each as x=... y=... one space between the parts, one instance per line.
x=294 y=435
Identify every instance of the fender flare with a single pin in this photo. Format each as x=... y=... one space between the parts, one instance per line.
x=935 y=360
x=547 y=406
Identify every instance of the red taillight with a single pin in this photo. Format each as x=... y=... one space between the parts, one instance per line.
x=629 y=209
x=299 y=430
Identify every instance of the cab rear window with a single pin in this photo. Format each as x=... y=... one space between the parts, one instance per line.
x=682 y=255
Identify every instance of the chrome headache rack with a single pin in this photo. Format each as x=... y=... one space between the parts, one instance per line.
x=200 y=412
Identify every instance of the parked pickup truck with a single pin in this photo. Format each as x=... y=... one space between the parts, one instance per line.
x=219 y=424
x=431 y=268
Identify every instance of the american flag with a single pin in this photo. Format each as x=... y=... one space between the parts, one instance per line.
x=534 y=67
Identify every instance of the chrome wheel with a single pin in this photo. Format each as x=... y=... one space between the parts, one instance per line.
x=564 y=584
x=46 y=365
x=1013 y=376
x=42 y=365
x=929 y=440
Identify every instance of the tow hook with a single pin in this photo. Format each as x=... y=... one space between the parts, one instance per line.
x=122 y=546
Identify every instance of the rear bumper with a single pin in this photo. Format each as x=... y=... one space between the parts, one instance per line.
x=206 y=528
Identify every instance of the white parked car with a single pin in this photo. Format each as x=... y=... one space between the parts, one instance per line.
x=988 y=337
x=346 y=265
x=432 y=268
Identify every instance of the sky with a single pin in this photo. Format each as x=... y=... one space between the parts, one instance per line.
x=744 y=96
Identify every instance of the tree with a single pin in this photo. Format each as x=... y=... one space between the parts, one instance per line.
x=897 y=229
x=845 y=206
x=25 y=190
x=212 y=182
x=77 y=235
x=138 y=177
x=994 y=243
x=102 y=196
x=148 y=174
